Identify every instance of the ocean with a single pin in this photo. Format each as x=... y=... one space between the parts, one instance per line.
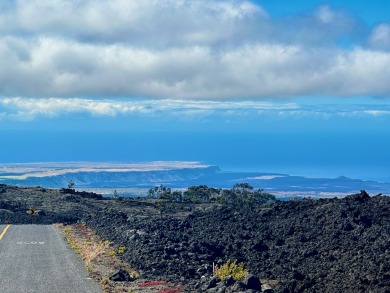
x=363 y=156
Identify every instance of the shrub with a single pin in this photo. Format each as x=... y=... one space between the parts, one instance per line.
x=111 y=253
x=121 y=249
x=237 y=271
x=70 y=184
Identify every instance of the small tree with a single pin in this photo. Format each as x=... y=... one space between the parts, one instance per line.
x=70 y=184
x=160 y=192
x=245 y=196
x=200 y=193
x=177 y=196
x=115 y=194
x=242 y=187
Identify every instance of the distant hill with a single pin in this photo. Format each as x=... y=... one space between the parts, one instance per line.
x=175 y=175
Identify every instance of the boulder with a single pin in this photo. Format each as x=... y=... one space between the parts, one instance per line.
x=265 y=288
x=121 y=276
x=229 y=281
x=252 y=282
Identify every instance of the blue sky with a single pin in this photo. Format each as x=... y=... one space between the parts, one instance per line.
x=289 y=86
x=371 y=13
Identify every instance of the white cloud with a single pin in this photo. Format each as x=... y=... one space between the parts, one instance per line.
x=325 y=14
x=167 y=23
x=52 y=67
x=27 y=109
x=162 y=22
x=380 y=36
x=30 y=108
x=377 y=112
x=182 y=49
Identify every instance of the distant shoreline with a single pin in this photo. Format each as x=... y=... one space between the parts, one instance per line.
x=134 y=179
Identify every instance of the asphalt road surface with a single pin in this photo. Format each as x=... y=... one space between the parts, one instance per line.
x=36 y=258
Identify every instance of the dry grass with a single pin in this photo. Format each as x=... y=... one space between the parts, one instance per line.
x=271 y=282
x=97 y=255
x=101 y=260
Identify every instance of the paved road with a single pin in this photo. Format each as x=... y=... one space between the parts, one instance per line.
x=35 y=258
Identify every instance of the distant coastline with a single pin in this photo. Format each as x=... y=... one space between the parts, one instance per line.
x=134 y=179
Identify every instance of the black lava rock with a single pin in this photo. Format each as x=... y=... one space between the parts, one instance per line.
x=252 y=282
x=121 y=276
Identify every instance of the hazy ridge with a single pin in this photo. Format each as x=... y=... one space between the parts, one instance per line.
x=174 y=174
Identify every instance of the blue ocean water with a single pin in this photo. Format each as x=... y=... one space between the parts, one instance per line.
x=306 y=154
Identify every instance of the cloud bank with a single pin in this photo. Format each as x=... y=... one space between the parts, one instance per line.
x=27 y=109
x=186 y=49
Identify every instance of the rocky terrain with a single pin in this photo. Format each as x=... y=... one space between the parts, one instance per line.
x=325 y=245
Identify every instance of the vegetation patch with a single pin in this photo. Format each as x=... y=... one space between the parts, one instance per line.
x=101 y=258
x=230 y=268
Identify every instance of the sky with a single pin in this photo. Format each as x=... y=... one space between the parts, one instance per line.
x=298 y=87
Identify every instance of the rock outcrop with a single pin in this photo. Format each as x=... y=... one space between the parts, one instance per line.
x=327 y=245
